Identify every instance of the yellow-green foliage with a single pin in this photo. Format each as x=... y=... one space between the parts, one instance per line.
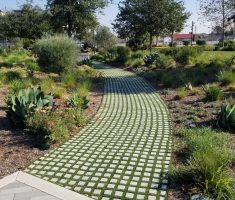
x=210 y=155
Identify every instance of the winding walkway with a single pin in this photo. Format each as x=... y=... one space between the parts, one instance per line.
x=123 y=153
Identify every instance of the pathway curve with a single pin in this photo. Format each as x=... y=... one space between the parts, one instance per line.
x=124 y=153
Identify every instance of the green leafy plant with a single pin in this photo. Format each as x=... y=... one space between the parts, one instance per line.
x=12 y=75
x=151 y=59
x=77 y=101
x=56 y=54
x=22 y=105
x=212 y=92
x=227 y=77
x=87 y=61
x=181 y=93
x=226 y=117
x=207 y=166
x=31 y=67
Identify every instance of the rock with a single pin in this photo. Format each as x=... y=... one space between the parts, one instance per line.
x=192 y=125
x=200 y=197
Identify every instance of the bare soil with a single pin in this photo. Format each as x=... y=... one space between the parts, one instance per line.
x=17 y=148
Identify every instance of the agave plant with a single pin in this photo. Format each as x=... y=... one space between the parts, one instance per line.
x=226 y=117
x=25 y=103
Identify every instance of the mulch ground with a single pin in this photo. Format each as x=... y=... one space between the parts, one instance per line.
x=17 y=148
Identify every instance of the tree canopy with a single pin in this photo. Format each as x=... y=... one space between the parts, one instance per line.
x=217 y=11
x=104 y=38
x=153 y=17
x=29 y=22
x=75 y=16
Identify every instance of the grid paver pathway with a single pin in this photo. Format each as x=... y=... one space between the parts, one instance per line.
x=123 y=153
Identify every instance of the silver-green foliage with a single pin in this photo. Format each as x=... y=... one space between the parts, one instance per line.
x=226 y=117
x=22 y=105
x=56 y=54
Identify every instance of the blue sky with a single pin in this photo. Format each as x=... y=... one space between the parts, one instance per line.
x=110 y=12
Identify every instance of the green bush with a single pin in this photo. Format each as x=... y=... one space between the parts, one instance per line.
x=56 y=54
x=123 y=53
x=151 y=59
x=212 y=92
x=186 y=43
x=207 y=166
x=12 y=75
x=183 y=55
x=88 y=62
x=55 y=126
x=227 y=77
x=97 y=56
x=229 y=46
x=32 y=66
x=201 y=42
x=165 y=62
x=77 y=101
x=181 y=93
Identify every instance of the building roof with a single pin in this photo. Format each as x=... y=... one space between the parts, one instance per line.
x=182 y=36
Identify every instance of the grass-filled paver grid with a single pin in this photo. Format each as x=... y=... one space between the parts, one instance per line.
x=123 y=153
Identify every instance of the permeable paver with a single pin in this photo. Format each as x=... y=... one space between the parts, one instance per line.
x=123 y=153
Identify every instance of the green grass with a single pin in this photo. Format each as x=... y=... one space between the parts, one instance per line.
x=207 y=166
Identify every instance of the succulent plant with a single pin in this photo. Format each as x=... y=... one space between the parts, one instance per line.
x=226 y=117
x=22 y=105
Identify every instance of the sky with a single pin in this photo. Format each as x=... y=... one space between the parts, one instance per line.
x=111 y=11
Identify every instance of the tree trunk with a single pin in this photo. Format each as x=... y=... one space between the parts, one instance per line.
x=150 y=42
x=172 y=39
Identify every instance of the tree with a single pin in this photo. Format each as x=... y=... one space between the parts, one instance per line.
x=30 y=22
x=178 y=17
x=137 y=18
x=104 y=38
x=217 y=11
x=75 y=16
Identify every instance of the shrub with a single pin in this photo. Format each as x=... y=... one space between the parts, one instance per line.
x=15 y=86
x=12 y=75
x=69 y=79
x=31 y=67
x=227 y=77
x=87 y=62
x=47 y=84
x=186 y=43
x=212 y=92
x=209 y=157
x=123 y=53
x=97 y=57
x=151 y=59
x=165 y=61
x=55 y=126
x=183 y=54
x=56 y=54
x=47 y=127
x=22 y=105
x=138 y=55
x=226 y=117
x=181 y=93
x=229 y=46
x=201 y=42
x=77 y=101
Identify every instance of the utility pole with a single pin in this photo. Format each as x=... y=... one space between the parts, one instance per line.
x=223 y=12
x=192 y=33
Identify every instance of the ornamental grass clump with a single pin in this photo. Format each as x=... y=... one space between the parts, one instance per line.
x=208 y=165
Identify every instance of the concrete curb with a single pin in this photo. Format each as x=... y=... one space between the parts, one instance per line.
x=42 y=185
